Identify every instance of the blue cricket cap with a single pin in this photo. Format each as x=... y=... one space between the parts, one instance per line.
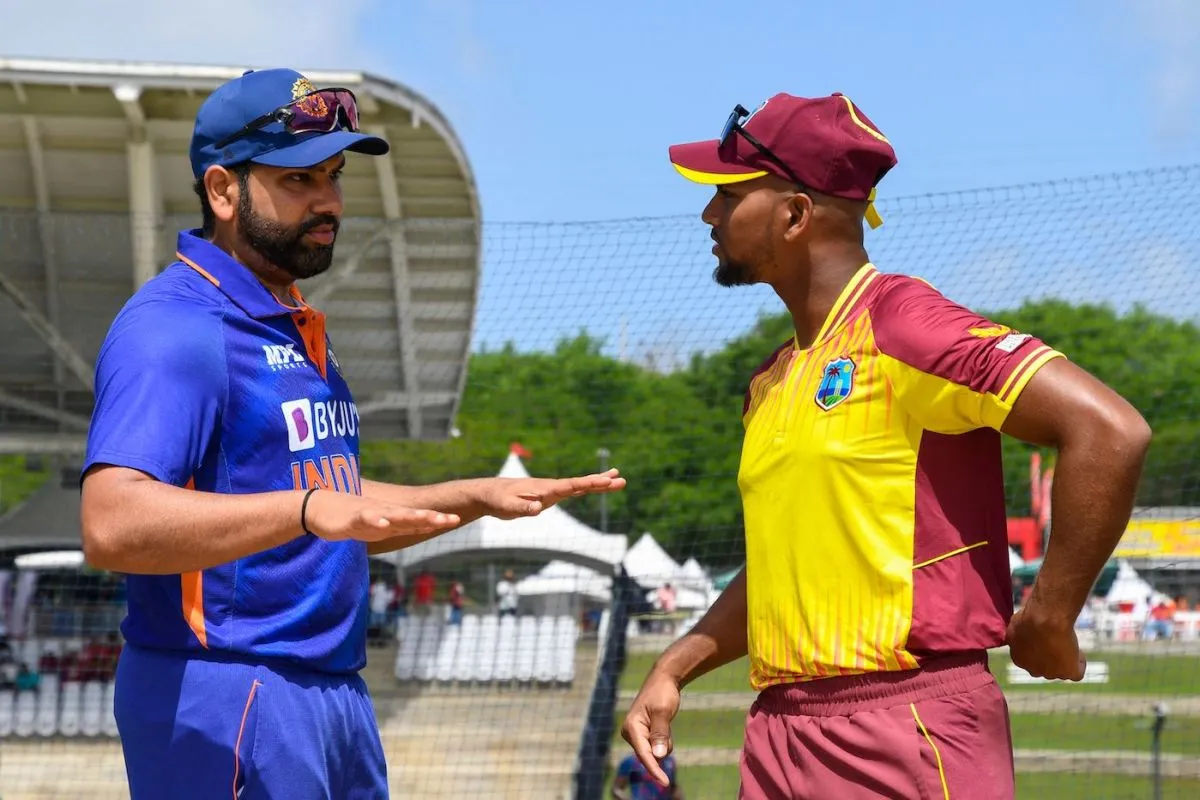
x=238 y=102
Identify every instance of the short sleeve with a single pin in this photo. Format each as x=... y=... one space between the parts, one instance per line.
x=160 y=388
x=951 y=369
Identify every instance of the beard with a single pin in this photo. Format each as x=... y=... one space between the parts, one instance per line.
x=732 y=273
x=283 y=246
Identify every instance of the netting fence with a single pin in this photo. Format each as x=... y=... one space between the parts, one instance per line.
x=607 y=343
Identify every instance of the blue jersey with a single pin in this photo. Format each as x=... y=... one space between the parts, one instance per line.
x=206 y=381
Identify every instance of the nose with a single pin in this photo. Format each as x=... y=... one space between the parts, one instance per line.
x=710 y=215
x=327 y=198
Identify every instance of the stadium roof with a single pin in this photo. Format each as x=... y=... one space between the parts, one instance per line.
x=95 y=185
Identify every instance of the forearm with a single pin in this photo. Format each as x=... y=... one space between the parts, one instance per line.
x=717 y=639
x=462 y=497
x=147 y=527
x=1095 y=485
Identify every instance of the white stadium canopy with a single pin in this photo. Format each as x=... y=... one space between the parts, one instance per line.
x=95 y=184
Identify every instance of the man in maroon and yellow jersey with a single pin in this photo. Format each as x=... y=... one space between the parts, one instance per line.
x=876 y=575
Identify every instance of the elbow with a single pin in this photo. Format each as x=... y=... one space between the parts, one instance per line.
x=99 y=549
x=101 y=535
x=1123 y=433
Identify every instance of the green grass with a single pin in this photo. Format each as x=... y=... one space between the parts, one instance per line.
x=1129 y=673
x=721 y=783
x=733 y=677
x=724 y=728
x=1096 y=786
x=1102 y=732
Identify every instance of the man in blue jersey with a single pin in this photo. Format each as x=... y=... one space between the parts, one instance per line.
x=222 y=476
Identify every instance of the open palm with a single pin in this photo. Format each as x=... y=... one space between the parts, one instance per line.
x=509 y=498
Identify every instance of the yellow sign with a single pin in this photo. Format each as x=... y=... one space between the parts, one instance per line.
x=1160 y=539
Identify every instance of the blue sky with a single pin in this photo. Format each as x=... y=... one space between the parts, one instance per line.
x=566 y=110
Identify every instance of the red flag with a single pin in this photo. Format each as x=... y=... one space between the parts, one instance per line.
x=517 y=449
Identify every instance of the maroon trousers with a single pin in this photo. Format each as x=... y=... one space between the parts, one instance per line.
x=937 y=733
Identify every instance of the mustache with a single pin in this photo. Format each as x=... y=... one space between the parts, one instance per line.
x=320 y=221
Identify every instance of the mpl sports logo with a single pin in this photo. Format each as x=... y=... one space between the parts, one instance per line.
x=308 y=422
x=282 y=356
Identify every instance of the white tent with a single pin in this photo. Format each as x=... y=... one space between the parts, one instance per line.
x=551 y=534
x=692 y=575
x=649 y=565
x=1129 y=587
x=560 y=577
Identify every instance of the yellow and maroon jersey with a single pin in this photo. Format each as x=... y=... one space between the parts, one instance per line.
x=872 y=485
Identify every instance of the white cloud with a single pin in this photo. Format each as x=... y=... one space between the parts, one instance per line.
x=1172 y=28
x=262 y=33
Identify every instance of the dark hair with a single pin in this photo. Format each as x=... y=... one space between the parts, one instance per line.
x=208 y=222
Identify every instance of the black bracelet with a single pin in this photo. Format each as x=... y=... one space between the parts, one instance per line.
x=304 y=510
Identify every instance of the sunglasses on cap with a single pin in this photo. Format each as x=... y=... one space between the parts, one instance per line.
x=322 y=111
x=734 y=125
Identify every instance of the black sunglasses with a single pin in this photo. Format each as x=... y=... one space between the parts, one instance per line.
x=734 y=125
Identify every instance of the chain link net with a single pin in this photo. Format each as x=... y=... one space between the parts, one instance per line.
x=607 y=343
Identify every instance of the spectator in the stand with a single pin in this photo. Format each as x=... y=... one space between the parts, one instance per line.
x=381 y=599
x=110 y=654
x=8 y=668
x=667 y=604
x=423 y=588
x=633 y=782
x=1161 y=624
x=49 y=663
x=399 y=605
x=506 y=594
x=27 y=680
x=457 y=595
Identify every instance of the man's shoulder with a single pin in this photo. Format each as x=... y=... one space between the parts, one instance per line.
x=894 y=297
x=178 y=292
x=909 y=315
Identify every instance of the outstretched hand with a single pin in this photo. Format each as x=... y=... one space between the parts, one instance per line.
x=509 y=498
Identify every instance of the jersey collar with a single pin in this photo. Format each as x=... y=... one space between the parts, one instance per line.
x=233 y=278
x=849 y=298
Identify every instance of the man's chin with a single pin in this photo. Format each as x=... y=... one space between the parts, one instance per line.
x=728 y=277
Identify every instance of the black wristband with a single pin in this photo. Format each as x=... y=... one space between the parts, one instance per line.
x=304 y=511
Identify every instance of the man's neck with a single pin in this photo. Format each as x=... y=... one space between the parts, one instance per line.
x=276 y=281
x=811 y=297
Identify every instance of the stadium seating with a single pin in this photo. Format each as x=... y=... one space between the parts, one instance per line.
x=486 y=650
x=57 y=707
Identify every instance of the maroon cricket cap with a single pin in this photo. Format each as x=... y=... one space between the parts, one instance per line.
x=829 y=144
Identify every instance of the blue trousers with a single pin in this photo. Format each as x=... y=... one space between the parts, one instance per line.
x=194 y=728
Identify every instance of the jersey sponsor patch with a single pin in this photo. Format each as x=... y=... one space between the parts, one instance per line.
x=837 y=381
x=282 y=356
x=310 y=422
x=298 y=416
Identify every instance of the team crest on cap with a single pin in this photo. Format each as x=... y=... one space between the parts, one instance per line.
x=302 y=87
x=837 y=381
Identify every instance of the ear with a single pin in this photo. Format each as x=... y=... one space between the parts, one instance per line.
x=800 y=213
x=223 y=191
